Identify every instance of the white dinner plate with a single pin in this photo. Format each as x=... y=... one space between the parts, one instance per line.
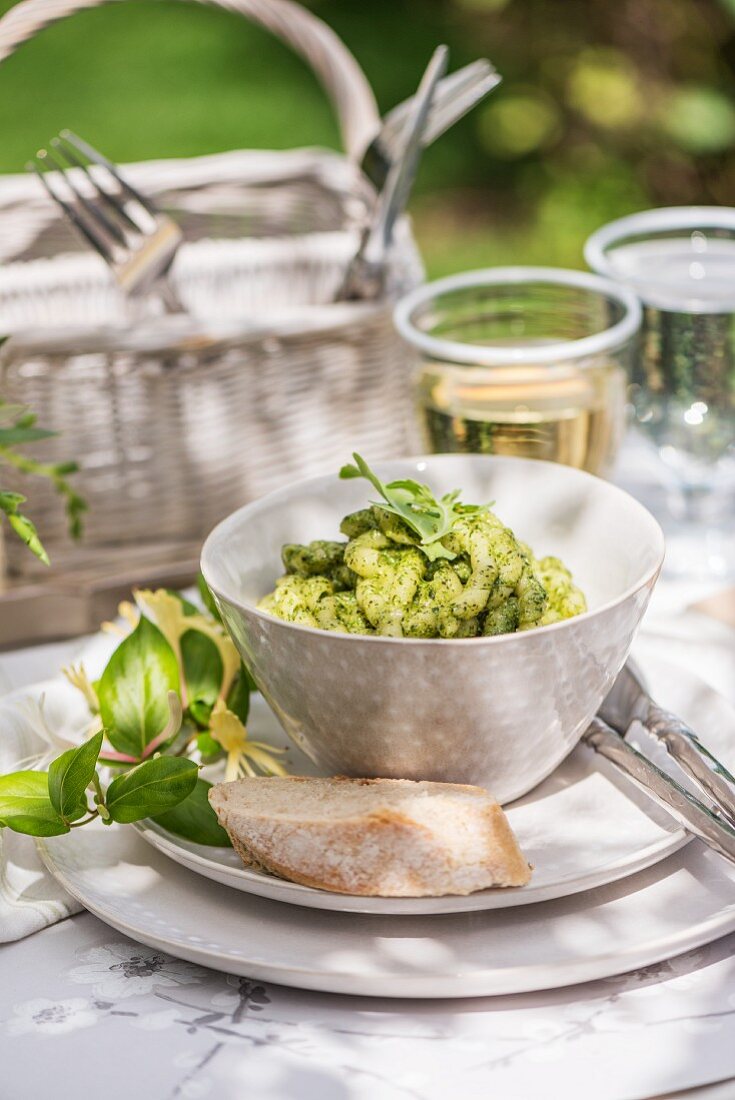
x=583 y=827
x=662 y=911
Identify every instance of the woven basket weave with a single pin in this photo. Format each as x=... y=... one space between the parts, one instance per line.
x=178 y=420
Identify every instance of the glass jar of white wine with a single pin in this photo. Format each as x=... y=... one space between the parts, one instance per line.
x=528 y=361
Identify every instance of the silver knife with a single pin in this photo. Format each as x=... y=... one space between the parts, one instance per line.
x=628 y=701
x=683 y=806
x=454 y=97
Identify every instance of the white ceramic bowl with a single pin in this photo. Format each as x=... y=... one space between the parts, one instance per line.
x=500 y=712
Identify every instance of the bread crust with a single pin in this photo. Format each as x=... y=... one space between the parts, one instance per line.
x=382 y=851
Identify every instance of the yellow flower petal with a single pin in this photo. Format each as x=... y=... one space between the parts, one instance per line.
x=265 y=761
x=227 y=729
x=128 y=611
x=77 y=677
x=113 y=628
x=166 y=611
x=232 y=768
x=244 y=757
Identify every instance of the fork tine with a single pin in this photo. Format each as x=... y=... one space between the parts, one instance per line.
x=463 y=102
x=78 y=222
x=67 y=151
x=97 y=158
x=94 y=212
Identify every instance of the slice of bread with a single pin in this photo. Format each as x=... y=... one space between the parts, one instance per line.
x=379 y=837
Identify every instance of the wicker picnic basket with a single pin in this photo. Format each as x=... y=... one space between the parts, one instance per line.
x=176 y=420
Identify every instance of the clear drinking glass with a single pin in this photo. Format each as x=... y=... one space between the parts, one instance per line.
x=528 y=361
x=680 y=261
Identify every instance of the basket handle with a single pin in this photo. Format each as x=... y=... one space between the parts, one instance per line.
x=307 y=35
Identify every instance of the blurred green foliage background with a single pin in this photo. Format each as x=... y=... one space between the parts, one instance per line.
x=607 y=106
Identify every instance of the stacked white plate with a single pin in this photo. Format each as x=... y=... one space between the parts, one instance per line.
x=616 y=886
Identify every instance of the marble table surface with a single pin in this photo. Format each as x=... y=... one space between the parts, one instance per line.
x=85 y=1012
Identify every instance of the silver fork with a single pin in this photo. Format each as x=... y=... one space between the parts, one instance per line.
x=454 y=96
x=135 y=239
x=367 y=270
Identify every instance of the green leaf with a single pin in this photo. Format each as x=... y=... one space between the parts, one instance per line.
x=17 y=415
x=133 y=690
x=209 y=749
x=25 y=806
x=238 y=697
x=208 y=598
x=9 y=504
x=70 y=775
x=201 y=713
x=429 y=518
x=151 y=788
x=203 y=672
x=194 y=819
x=20 y=434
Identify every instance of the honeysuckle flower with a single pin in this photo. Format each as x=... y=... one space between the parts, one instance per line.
x=244 y=757
x=78 y=678
x=44 y=1017
x=127 y=611
x=118 y=970
x=44 y=739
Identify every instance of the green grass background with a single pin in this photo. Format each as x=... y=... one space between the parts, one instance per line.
x=606 y=107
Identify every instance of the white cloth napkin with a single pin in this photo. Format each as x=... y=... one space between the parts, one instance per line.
x=30 y=898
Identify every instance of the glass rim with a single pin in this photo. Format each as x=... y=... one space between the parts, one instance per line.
x=503 y=356
x=654 y=222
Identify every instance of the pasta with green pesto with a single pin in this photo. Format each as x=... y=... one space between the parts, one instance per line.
x=415 y=567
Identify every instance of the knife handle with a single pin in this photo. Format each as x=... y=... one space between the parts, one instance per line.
x=683 y=745
x=683 y=806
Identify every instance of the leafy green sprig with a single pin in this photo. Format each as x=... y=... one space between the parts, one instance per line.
x=17 y=427
x=173 y=697
x=429 y=518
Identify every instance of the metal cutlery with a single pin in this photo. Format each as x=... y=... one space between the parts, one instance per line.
x=365 y=275
x=697 y=818
x=454 y=97
x=628 y=702
x=135 y=239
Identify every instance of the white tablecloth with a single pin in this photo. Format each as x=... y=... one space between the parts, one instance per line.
x=84 y=1012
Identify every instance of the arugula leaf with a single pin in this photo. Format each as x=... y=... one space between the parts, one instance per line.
x=194 y=819
x=151 y=788
x=429 y=518
x=70 y=775
x=133 y=690
x=25 y=806
x=203 y=672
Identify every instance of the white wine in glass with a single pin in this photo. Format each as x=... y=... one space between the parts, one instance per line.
x=559 y=414
x=530 y=362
